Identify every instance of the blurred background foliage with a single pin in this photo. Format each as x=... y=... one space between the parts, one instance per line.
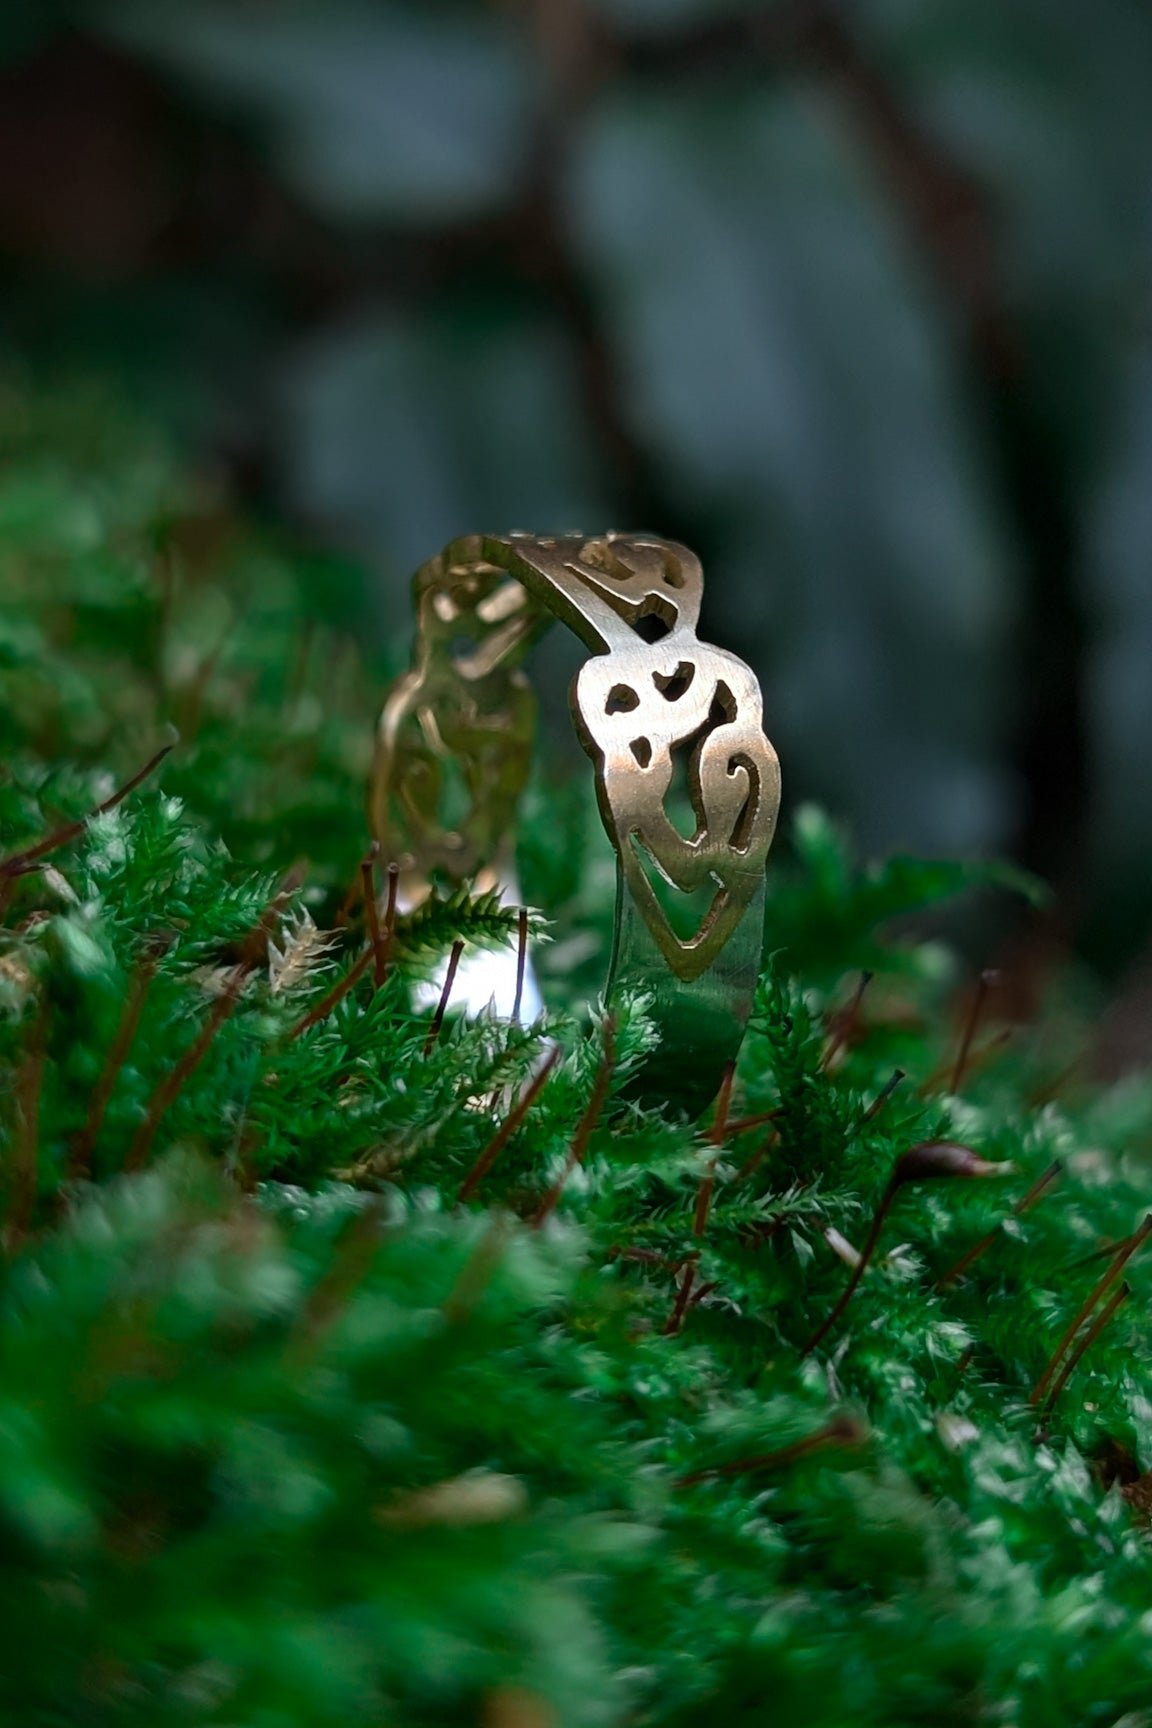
x=854 y=298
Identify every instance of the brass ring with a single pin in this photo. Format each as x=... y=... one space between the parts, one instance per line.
x=651 y=698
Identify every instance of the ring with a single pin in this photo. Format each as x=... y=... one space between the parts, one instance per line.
x=687 y=783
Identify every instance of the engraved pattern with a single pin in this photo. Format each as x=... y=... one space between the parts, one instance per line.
x=643 y=700
x=461 y=720
x=650 y=690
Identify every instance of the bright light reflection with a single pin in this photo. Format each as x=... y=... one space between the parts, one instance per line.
x=485 y=980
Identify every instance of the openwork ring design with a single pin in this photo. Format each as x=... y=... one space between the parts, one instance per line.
x=654 y=708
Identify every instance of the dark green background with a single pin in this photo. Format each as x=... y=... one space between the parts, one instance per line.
x=854 y=298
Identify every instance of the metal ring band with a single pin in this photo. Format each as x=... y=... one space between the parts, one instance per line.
x=650 y=691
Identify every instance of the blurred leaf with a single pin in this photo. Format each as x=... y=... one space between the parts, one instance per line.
x=404 y=430
x=1054 y=121
x=1119 y=560
x=662 y=17
x=836 y=913
x=815 y=413
x=372 y=110
x=26 y=25
x=1051 y=118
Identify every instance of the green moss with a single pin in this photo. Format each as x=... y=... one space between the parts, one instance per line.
x=290 y=1436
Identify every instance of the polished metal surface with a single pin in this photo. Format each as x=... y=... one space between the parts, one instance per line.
x=654 y=707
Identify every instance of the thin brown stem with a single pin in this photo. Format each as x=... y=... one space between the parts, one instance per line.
x=645 y=1257
x=389 y=930
x=866 y=1253
x=508 y=1127
x=579 y=1147
x=702 y=1210
x=372 y=912
x=355 y=1253
x=1105 y=1252
x=841 y=1431
x=927 y=1160
x=1084 y=1344
x=192 y=695
x=442 y=1006
x=717 y=1134
x=245 y=1163
x=1024 y=1204
x=25 y=1154
x=182 y=1070
x=21 y=862
x=757 y=1158
x=842 y=1025
x=683 y=1293
x=80 y=1159
x=896 y=1078
x=252 y=952
x=1095 y=1295
x=334 y=997
x=976 y=1059
x=986 y=981
x=1049 y=1089
x=478 y=1270
x=350 y=901
x=745 y=1124
x=521 y=961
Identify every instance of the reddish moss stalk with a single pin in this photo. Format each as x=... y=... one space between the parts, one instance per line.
x=976 y=1059
x=478 y=1270
x=353 y=1259
x=334 y=996
x=929 y=1159
x=757 y=1158
x=645 y=1257
x=881 y=1098
x=858 y=1272
x=1039 y=1188
x=1095 y=1295
x=245 y=1165
x=521 y=961
x=840 y=1431
x=683 y=1293
x=80 y=1160
x=986 y=981
x=25 y=1145
x=1104 y=1252
x=717 y=1134
x=21 y=862
x=253 y=951
x=508 y=1127
x=1084 y=1344
x=579 y=1147
x=842 y=1026
x=437 y=1025
x=372 y=912
x=178 y=1076
x=389 y=930
x=745 y=1124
